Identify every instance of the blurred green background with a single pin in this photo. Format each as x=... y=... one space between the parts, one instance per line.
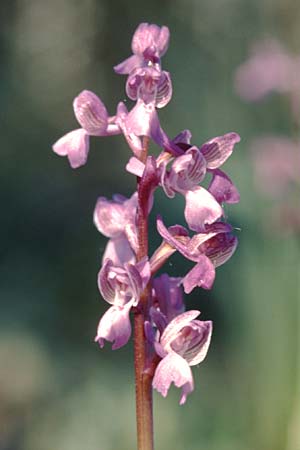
x=58 y=390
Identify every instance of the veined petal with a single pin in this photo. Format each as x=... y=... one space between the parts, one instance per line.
x=199 y=344
x=212 y=230
x=74 y=145
x=173 y=369
x=174 y=327
x=91 y=113
x=201 y=208
x=218 y=149
x=220 y=248
x=115 y=326
x=222 y=188
x=164 y=90
x=187 y=170
x=104 y=286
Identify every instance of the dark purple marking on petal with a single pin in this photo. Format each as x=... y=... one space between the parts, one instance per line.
x=91 y=113
x=218 y=149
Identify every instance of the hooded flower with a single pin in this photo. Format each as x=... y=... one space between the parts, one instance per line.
x=116 y=220
x=121 y=286
x=146 y=80
x=183 y=343
x=149 y=43
x=208 y=249
x=92 y=115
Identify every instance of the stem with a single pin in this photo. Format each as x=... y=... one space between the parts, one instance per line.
x=143 y=377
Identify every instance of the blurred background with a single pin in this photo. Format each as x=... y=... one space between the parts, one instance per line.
x=58 y=390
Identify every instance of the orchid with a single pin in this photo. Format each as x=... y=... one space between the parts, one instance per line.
x=183 y=343
x=167 y=339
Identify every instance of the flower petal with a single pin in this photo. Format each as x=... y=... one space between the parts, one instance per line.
x=119 y=251
x=128 y=65
x=173 y=368
x=198 y=349
x=212 y=230
x=74 y=145
x=91 y=113
x=173 y=328
x=220 y=248
x=218 y=149
x=176 y=237
x=201 y=208
x=222 y=188
x=201 y=275
x=150 y=35
x=105 y=288
x=115 y=326
x=112 y=216
x=169 y=295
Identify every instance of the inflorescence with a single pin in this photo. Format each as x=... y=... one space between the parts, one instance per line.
x=177 y=339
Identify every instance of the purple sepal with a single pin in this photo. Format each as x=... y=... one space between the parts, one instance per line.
x=194 y=244
x=173 y=369
x=150 y=36
x=218 y=149
x=115 y=326
x=91 y=113
x=167 y=293
x=169 y=237
x=128 y=65
x=112 y=216
x=74 y=145
x=222 y=188
x=184 y=137
x=201 y=208
x=149 y=43
x=219 y=248
x=201 y=275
